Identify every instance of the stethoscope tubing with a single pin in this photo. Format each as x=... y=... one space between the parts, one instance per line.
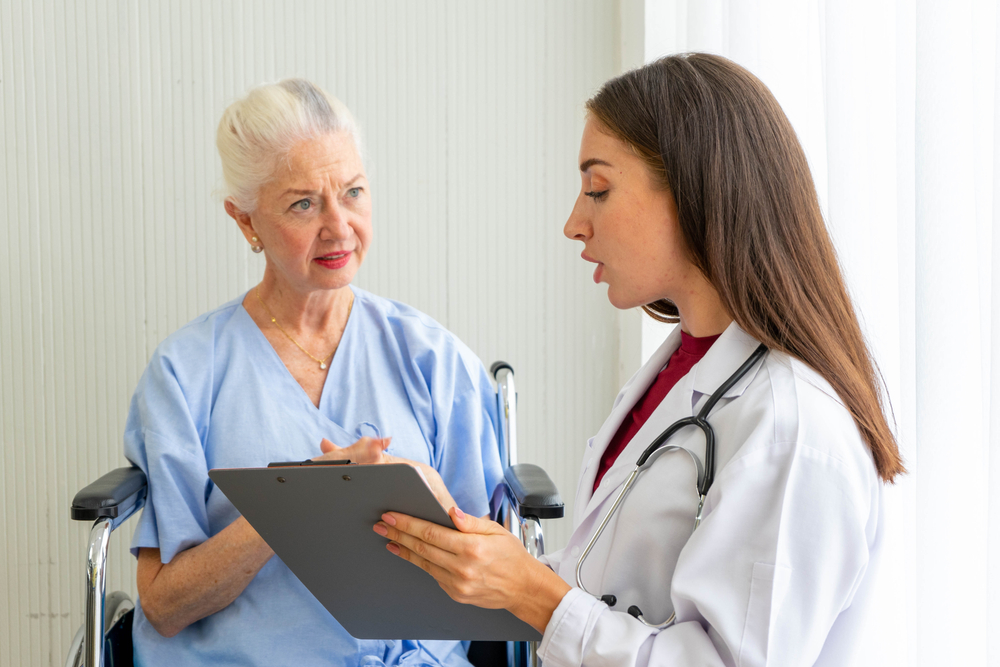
x=659 y=445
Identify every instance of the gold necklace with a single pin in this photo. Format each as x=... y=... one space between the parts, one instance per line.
x=322 y=362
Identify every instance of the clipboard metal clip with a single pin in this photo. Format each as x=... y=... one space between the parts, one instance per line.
x=310 y=462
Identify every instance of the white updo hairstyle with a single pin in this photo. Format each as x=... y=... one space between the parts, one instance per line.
x=257 y=131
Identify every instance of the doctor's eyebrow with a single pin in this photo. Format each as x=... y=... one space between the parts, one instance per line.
x=587 y=164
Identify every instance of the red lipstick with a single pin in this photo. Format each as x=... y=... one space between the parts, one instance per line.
x=334 y=261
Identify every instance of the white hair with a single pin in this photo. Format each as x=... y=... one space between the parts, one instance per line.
x=261 y=128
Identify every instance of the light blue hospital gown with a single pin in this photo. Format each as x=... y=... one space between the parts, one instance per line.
x=216 y=395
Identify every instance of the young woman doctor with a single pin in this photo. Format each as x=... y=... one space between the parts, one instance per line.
x=697 y=204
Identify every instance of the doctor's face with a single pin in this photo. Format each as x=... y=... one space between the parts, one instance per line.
x=627 y=223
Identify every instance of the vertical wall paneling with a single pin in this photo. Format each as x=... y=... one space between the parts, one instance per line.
x=112 y=234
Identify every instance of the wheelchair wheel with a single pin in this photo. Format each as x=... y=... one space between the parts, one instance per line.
x=116 y=605
x=75 y=657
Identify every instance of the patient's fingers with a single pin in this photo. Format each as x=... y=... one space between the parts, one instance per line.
x=437 y=486
x=365 y=450
x=331 y=452
x=369 y=450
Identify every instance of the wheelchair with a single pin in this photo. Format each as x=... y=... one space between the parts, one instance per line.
x=105 y=640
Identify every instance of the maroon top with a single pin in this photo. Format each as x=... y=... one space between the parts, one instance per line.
x=687 y=355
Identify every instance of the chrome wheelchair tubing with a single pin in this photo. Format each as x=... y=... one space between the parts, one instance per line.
x=522 y=654
x=507 y=407
x=519 y=654
x=507 y=413
x=97 y=559
x=525 y=654
x=531 y=536
x=528 y=529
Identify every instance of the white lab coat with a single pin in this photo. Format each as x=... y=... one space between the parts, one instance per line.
x=779 y=571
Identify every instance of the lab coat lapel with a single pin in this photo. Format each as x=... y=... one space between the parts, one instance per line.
x=723 y=358
x=631 y=393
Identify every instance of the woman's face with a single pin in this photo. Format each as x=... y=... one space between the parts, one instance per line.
x=628 y=226
x=314 y=216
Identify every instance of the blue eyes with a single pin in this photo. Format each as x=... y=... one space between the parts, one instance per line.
x=307 y=204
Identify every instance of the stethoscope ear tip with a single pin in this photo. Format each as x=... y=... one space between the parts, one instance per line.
x=635 y=612
x=609 y=600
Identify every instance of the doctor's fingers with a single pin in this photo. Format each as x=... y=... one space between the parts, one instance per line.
x=442 y=575
x=481 y=544
x=418 y=535
x=473 y=568
x=419 y=552
x=461 y=575
x=461 y=583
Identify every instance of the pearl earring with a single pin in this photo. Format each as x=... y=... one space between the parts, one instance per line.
x=255 y=244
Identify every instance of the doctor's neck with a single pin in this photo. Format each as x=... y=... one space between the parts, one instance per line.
x=701 y=312
x=701 y=328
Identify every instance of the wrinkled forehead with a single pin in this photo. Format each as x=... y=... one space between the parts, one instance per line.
x=334 y=155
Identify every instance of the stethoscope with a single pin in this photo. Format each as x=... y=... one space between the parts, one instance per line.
x=658 y=446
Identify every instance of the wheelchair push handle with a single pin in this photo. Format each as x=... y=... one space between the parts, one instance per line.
x=503 y=374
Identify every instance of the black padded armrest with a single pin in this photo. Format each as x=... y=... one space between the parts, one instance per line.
x=116 y=493
x=536 y=495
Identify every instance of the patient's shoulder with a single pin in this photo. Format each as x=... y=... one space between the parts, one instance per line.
x=402 y=318
x=202 y=334
x=414 y=334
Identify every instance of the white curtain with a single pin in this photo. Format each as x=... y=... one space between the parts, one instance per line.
x=894 y=102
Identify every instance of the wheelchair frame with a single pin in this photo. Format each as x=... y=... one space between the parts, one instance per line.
x=529 y=496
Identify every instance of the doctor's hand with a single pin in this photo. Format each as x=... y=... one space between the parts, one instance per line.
x=481 y=563
x=372 y=451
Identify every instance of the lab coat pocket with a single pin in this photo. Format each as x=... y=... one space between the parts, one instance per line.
x=768 y=586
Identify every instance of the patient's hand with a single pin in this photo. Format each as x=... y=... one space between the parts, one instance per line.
x=372 y=450
x=365 y=450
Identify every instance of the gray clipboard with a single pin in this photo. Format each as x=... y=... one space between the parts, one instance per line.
x=318 y=520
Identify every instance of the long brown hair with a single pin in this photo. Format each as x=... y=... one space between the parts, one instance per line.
x=713 y=134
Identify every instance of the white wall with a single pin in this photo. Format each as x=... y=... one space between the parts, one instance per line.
x=110 y=237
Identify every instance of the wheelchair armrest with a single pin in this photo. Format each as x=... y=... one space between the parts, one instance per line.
x=533 y=492
x=115 y=495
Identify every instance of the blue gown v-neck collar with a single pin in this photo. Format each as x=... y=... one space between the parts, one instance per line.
x=268 y=352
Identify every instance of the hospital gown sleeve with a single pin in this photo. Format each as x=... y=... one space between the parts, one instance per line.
x=162 y=437
x=738 y=607
x=465 y=444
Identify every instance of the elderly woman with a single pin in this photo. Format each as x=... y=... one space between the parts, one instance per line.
x=300 y=359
